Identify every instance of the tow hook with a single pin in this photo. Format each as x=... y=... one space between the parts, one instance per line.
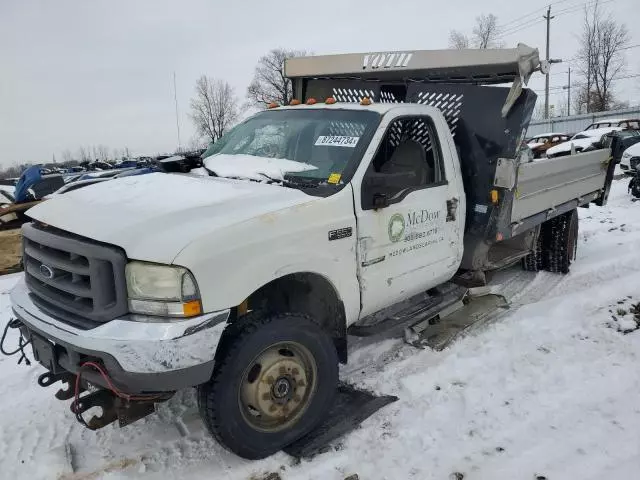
x=101 y=398
x=113 y=408
x=67 y=392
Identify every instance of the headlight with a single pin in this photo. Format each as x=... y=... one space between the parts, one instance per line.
x=163 y=290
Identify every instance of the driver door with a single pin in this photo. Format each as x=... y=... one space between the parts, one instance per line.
x=410 y=225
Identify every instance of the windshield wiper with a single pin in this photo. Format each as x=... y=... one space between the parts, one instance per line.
x=289 y=183
x=280 y=181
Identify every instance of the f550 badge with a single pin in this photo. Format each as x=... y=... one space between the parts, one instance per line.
x=340 y=233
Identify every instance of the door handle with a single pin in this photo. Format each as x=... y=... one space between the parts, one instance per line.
x=452 y=208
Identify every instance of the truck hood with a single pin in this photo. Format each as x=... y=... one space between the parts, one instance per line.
x=152 y=217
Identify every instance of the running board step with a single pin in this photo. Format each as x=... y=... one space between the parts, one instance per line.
x=395 y=321
x=441 y=329
x=425 y=307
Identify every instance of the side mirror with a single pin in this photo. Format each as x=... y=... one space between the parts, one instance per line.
x=397 y=180
x=375 y=183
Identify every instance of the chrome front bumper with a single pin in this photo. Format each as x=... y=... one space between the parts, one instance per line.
x=152 y=353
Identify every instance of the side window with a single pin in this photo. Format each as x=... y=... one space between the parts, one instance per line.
x=408 y=158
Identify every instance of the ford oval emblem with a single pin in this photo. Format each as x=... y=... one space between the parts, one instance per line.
x=46 y=271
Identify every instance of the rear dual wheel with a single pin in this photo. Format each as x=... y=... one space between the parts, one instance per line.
x=274 y=381
x=556 y=245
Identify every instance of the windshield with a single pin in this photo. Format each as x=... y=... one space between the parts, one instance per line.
x=314 y=145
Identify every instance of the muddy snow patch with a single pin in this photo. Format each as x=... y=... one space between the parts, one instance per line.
x=625 y=316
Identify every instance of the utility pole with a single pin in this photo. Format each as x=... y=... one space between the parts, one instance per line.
x=569 y=93
x=175 y=97
x=548 y=18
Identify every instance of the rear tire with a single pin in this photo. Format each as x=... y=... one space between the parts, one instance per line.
x=274 y=381
x=561 y=242
x=533 y=262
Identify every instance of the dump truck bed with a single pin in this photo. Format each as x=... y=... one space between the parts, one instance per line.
x=549 y=183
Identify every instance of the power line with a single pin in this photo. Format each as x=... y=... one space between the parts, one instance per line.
x=561 y=87
x=531 y=22
x=576 y=58
x=519 y=28
x=535 y=12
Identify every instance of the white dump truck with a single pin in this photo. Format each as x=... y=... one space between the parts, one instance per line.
x=389 y=176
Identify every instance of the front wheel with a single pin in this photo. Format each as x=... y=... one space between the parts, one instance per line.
x=274 y=382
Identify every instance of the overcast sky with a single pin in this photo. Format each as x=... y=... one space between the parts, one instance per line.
x=100 y=72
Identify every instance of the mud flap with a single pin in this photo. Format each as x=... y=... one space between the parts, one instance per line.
x=350 y=409
x=442 y=329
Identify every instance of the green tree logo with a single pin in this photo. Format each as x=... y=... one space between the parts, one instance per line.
x=396 y=227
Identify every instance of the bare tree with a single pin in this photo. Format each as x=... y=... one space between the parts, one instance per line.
x=561 y=109
x=214 y=108
x=103 y=152
x=485 y=34
x=458 y=40
x=538 y=112
x=600 y=58
x=84 y=154
x=196 y=143
x=67 y=156
x=269 y=83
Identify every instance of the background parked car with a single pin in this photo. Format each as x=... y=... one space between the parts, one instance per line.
x=630 y=161
x=624 y=123
x=541 y=143
x=581 y=141
x=624 y=140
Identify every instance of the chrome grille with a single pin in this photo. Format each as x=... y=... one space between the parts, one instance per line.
x=78 y=280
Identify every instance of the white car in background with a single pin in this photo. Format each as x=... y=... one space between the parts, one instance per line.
x=626 y=123
x=630 y=161
x=580 y=141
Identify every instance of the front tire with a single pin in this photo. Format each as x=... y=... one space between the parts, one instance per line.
x=274 y=381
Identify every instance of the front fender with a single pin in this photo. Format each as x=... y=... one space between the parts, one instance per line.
x=232 y=264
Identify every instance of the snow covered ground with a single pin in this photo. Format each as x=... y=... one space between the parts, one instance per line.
x=549 y=389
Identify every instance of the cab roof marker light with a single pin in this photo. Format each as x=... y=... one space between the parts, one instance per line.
x=295 y=101
x=272 y=105
x=365 y=101
x=312 y=101
x=330 y=101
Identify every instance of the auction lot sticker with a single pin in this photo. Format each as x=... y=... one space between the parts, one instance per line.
x=336 y=141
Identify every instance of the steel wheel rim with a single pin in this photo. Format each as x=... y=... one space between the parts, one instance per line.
x=277 y=386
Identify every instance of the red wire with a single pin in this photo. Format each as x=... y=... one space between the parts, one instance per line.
x=110 y=385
